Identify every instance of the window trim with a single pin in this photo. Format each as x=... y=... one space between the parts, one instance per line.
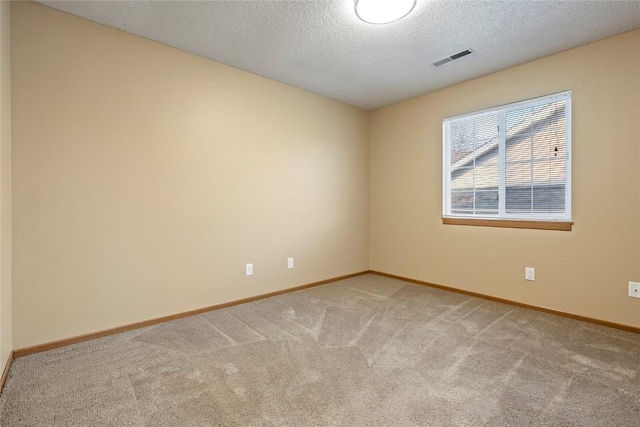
x=537 y=221
x=510 y=223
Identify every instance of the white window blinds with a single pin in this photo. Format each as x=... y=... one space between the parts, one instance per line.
x=510 y=162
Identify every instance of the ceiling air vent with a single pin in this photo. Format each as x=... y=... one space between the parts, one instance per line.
x=453 y=57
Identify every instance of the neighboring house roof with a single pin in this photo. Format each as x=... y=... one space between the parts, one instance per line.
x=520 y=129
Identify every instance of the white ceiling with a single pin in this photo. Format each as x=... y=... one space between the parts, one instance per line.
x=321 y=46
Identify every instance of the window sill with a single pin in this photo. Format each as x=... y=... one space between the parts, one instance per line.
x=509 y=223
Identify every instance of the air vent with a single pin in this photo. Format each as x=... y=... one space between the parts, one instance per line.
x=453 y=57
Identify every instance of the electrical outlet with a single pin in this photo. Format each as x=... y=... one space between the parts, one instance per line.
x=634 y=289
x=289 y=263
x=248 y=270
x=530 y=273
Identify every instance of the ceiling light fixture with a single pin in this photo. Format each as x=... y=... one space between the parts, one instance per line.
x=383 y=11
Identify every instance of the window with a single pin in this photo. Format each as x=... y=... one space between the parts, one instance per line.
x=511 y=163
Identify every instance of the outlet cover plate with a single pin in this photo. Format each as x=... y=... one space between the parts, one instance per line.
x=634 y=289
x=530 y=273
x=248 y=270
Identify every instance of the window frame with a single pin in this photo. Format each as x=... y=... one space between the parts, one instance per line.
x=519 y=220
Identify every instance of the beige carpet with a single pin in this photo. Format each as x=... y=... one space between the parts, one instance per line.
x=367 y=351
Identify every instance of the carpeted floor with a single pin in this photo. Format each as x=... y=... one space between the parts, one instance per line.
x=367 y=351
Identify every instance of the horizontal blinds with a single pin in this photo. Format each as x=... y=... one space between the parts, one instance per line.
x=520 y=171
x=535 y=175
x=474 y=171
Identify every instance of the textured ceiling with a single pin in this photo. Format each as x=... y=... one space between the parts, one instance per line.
x=322 y=47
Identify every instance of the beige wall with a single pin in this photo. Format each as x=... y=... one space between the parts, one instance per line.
x=5 y=186
x=584 y=271
x=144 y=179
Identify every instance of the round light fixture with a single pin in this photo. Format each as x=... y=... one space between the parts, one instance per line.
x=383 y=11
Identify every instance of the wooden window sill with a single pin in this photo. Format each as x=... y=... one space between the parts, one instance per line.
x=510 y=223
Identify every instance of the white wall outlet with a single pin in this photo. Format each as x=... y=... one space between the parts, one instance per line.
x=634 y=289
x=248 y=270
x=289 y=263
x=530 y=273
